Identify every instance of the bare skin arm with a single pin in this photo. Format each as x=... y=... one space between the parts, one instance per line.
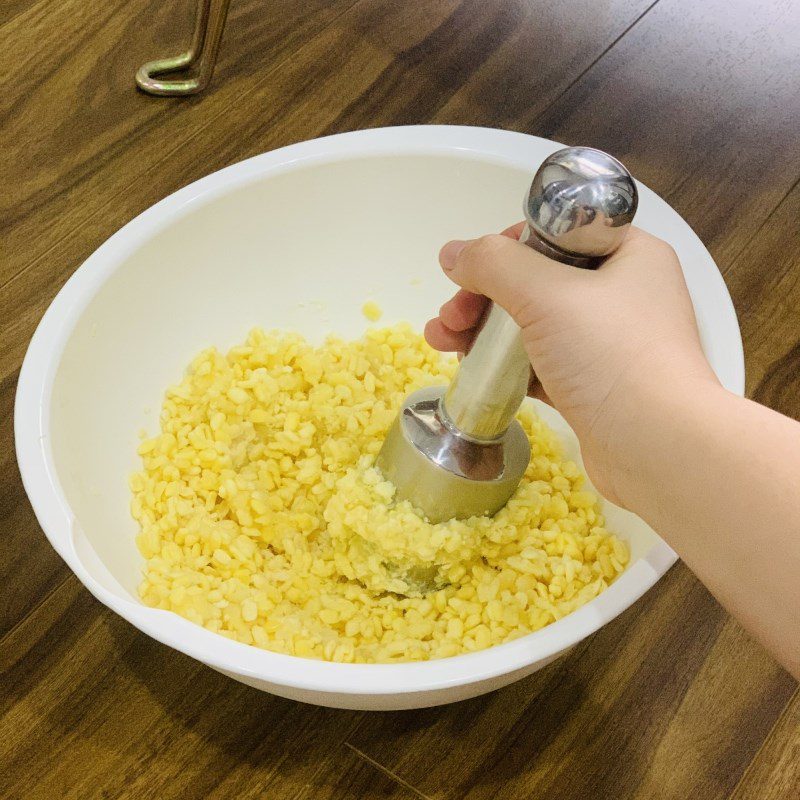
x=618 y=353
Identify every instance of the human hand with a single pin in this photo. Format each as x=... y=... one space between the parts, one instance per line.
x=599 y=341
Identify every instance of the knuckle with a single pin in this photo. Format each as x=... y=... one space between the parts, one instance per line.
x=653 y=245
x=489 y=247
x=662 y=253
x=668 y=250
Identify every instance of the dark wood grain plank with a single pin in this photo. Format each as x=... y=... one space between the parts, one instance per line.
x=764 y=282
x=98 y=710
x=287 y=107
x=338 y=774
x=727 y=711
x=594 y=723
x=702 y=103
x=77 y=133
x=775 y=772
x=13 y=8
x=446 y=751
x=102 y=711
x=503 y=57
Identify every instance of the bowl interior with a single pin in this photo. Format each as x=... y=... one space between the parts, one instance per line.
x=303 y=248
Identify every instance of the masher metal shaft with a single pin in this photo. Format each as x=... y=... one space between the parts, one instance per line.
x=492 y=379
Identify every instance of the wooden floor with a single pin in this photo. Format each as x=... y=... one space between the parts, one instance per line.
x=700 y=99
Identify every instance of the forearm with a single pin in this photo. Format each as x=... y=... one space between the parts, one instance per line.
x=718 y=477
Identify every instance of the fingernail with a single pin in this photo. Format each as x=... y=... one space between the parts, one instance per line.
x=450 y=253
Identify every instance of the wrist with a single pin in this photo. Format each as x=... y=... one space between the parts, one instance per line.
x=643 y=413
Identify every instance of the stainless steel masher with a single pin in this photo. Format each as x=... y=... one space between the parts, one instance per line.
x=458 y=451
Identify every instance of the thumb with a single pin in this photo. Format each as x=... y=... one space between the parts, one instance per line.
x=508 y=272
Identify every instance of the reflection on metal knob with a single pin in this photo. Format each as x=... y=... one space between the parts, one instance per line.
x=580 y=205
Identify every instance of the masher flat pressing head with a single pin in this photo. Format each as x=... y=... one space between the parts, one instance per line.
x=441 y=469
x=457 y=451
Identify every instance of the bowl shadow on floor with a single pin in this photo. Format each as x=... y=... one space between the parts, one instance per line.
x=136 y=710
x=481 y=744
x=587 y=725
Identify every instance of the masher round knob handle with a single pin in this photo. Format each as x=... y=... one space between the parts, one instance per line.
x=580 y=205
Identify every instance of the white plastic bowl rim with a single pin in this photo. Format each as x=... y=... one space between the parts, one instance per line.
x=54 y=515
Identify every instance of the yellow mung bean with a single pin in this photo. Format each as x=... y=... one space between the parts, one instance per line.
x=263 y=517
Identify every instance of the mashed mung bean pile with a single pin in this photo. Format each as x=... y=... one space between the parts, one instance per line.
x=264 y=519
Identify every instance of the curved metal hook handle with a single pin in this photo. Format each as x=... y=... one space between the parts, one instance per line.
x=200 y=58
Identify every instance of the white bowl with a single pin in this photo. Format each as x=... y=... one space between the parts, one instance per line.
x=336 y=220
